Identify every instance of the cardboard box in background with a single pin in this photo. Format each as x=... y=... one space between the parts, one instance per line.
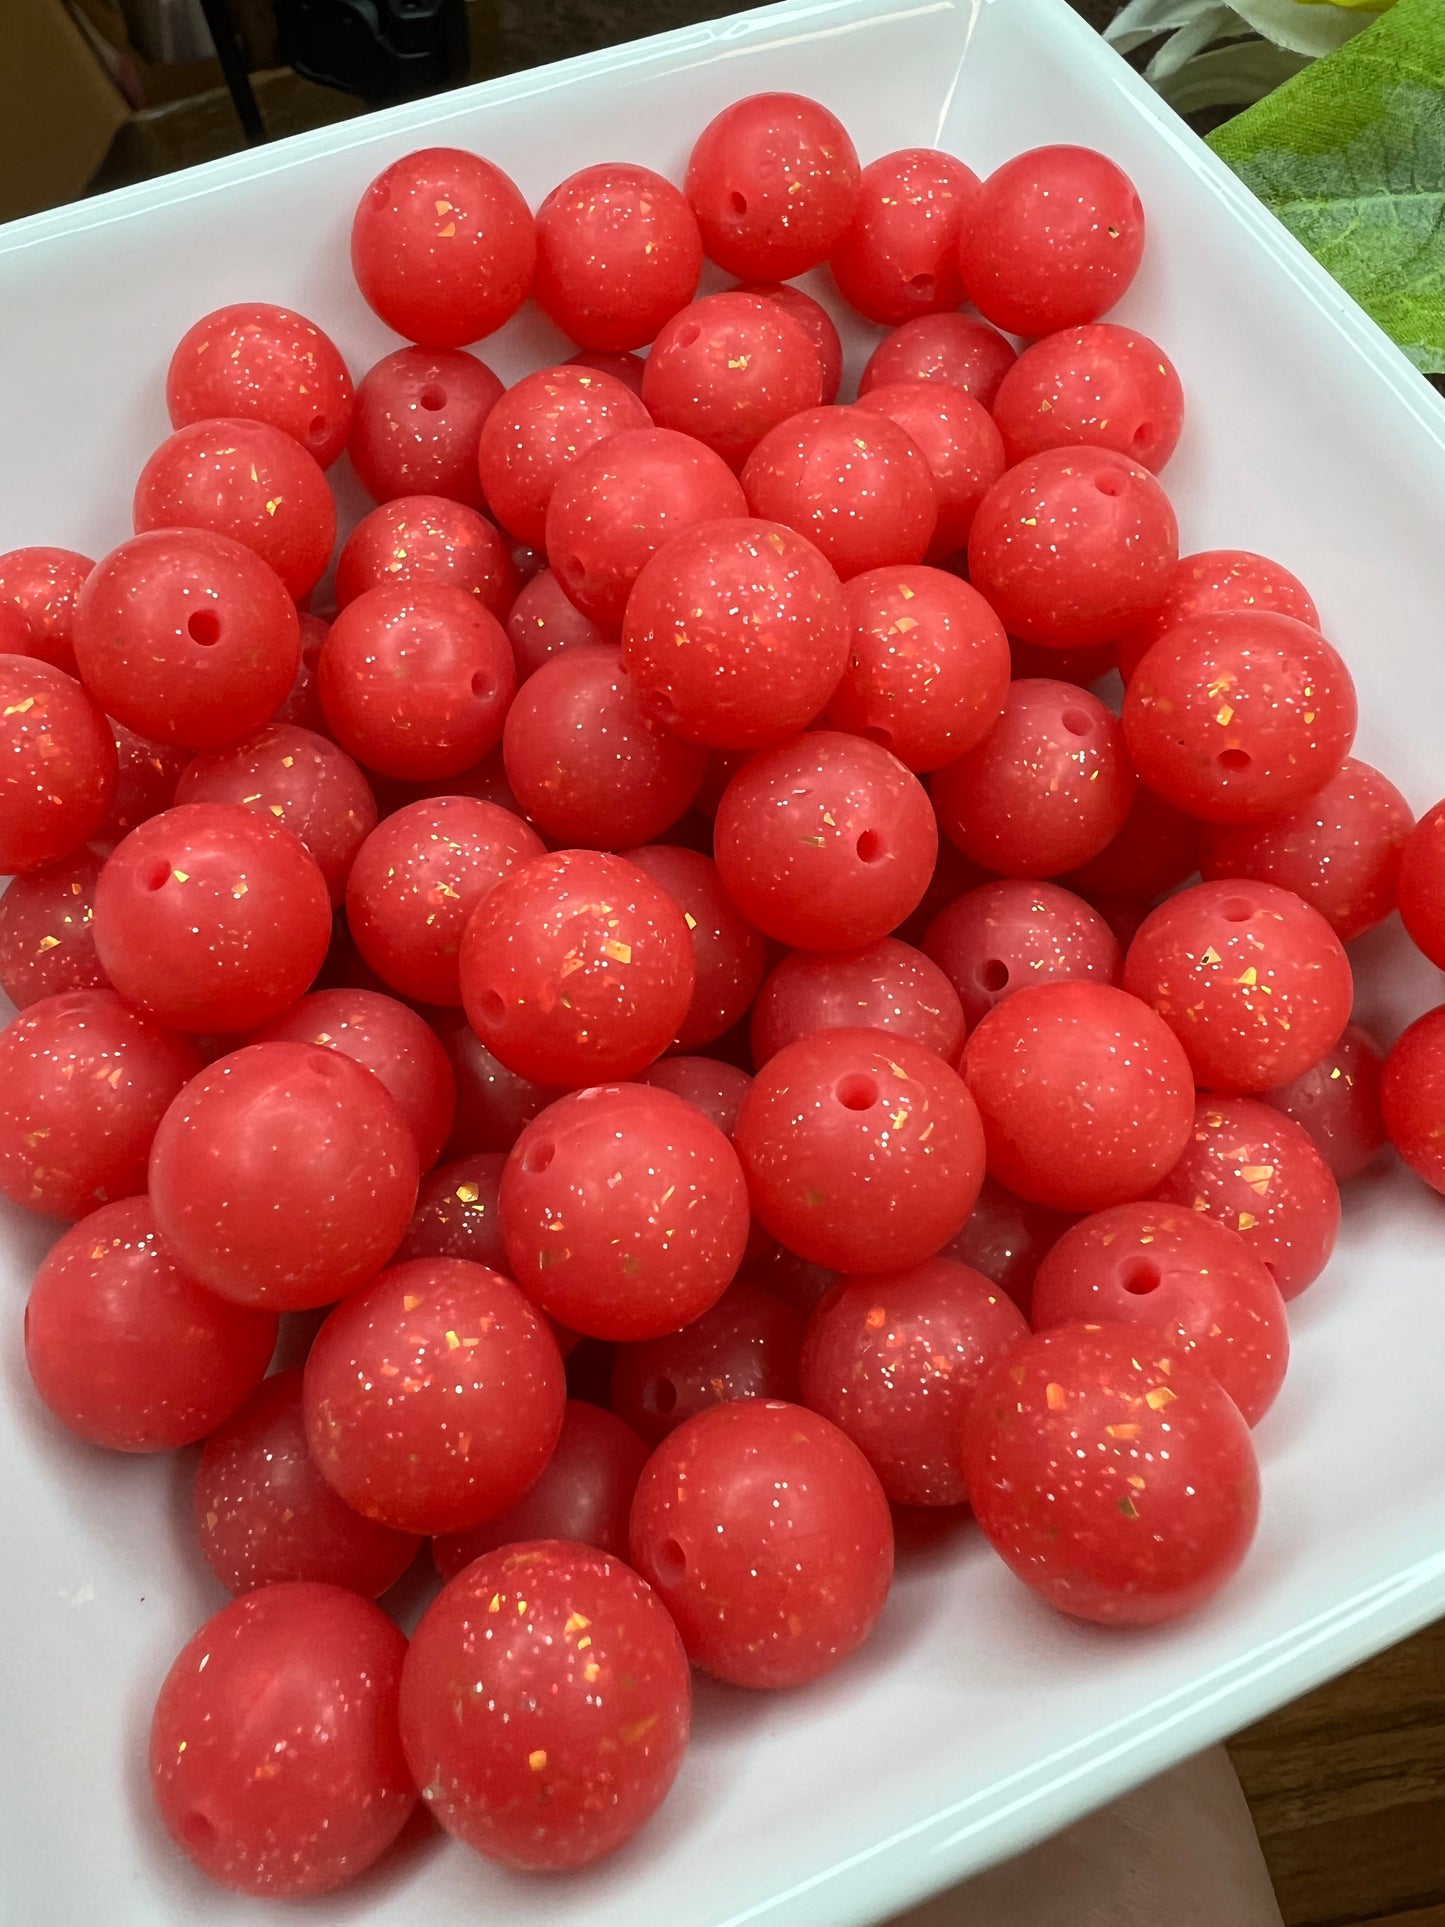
x=59 y=109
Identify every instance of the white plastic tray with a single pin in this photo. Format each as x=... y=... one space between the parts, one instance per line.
x=976 y=1721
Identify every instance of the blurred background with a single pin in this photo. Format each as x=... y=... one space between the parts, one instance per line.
x=95 y=94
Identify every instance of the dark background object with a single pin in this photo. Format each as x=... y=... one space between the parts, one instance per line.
x=382 y=50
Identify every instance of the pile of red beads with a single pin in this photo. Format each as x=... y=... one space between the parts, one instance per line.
x=770 y=958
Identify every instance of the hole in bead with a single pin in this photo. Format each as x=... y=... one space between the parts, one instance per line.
x=922 y=286
x=197 y=1830
x=738 y=203
x=857 y=1091
x=669 y=1563
x=537 y=1157
x=883 y=737
x=870 y=846
x=326 y=1065
x=432 y=397
x=317 y=429
x=1143 y=433
x=993 y=975
x=1109 y=482
x=204 y=627
x=1077 y=722
x=1236 y=910
x=482 y=685
x=573 y=567
x=1235 y=759
x=659 y=1397
x=660 y=707
x=157 y=876
x=1141 y=1276
x=380 y=192
x=689 y=335
x=492 y=1006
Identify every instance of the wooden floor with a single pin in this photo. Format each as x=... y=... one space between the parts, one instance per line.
x=1347 y=1787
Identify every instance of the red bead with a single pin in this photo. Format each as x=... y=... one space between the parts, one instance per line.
x=302 y=705
x=928 y=665
x=386 y=1038
x=1072 y=546
x=774 y=181
x=1188 y=1282
x=57 y=764
x=572 y=1746
x=1421 y=882
x=1218 y=582
x=715 y=1088
x=862 y=1149
x=1045 y=790
x=547 y=421
x=764 y=634
x=1235 y=718
x=816 y=322
x=457 y=1214
x=433 y=1396
x=898 y=256
x=955 y=348
x=889 y=986
x=544 y=621
x=1259 y=1174
x=419 y=412
x=1006 y=1238
x=1053 y=239
x=624 y=1211
x=211 y=918
x=1156 y=849
x=576 y=969
x=42 y=585
x=84 y=1082
x=958 y=442
x=248 y=481
x=1084 y=1092
x=626 y=368
x=1337 y=1102
x=125 y=1349
x=613 y=509
x=585 y=759
x=893 y=1361
x=825 y=843
x=1340 y=850
x=728 y=954
x=254 y=362
x=1001 y=937
x=746 y=1346
x=283 y=1176
x=1252 y=981
x=852 y=481
x=416 y=680
x=295 y=778
x=146 y=777
x=263 y=1514
x=1412 y=1096
x=275 y=1752
x=47 y=945
x=1122 y=1488
x=443 y=247
x=187 y=637
x=417 y=879
x=426 y=538
x=767 y=1536
x=729 y=368
x=1102 y=386
x=14 y=632
x=618 y=252
x=585 y=1494
x=493 y=1103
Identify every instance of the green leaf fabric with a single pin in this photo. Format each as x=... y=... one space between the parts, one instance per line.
x=1350 y=155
